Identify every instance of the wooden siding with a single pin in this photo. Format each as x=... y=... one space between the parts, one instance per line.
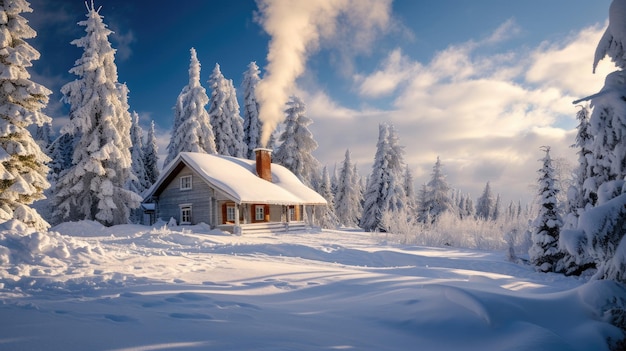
x=199 y=197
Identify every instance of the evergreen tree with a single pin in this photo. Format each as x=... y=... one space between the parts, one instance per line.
x=544 y=253
x=297 y=144
x=422 y=204
x=141 y=182
x=326 y=214
x=495 y=214
x=384 y=190
x=94 y=188
x=347 y=200
x=437 y=198
x=251 y=123
x=151 y=156
x=600 y=229
x=43 y=135
x=22 y=162
x=409 y=191
x=225 y=119
x=582 y=195
x=469 y=206
x=60 y=151
x=586 y=192
x=192 y=130
x=484 y=204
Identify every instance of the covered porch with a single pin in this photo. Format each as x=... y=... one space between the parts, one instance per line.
x=248 y=218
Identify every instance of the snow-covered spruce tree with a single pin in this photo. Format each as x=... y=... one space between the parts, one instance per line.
x=484 y=204
x=60 y=151
x=495 y=214
x=22 y=162
x=438 y=194
x=326 y=214
x=151 y=156
x=384 y=191
x=422 y=204
x=136 y=153
x=251 y=123
x=347 y=198
x=360 y=186
x=94 y=188
x=409 y=191
x=580 y=195
x=192 y=130
x=601 y=228
x=139 y=183
x=469 y=206
x=43 y=135
x=545 y=253
x=297 y=144
x=225 y=119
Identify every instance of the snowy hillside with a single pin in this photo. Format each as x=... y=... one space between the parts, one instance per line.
x=88 y=287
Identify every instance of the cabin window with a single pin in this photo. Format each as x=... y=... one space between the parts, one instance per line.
x=185 y=214
x=185 y=183
x=259 y=213
x=230 y=213
x=292 y=213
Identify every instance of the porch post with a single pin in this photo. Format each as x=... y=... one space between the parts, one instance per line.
x=237 y=227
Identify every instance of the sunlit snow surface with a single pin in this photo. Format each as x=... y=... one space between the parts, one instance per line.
x=87 y=287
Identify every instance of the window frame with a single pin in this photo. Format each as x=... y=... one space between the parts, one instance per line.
x=259 y=213
x=231 y=214
x=186 y=182
x=186 y=213
x=291 y=213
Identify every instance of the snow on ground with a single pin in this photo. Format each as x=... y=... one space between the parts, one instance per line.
x=87 y=287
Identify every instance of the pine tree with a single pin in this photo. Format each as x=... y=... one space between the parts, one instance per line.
x=94 y=188
x=151 y=156
x=545 y=253
x=469 y=206
x=484 y=204
x=384 y=190
x=495 y=214
x=136 y=152
x=192 y=130
x=225 y=119
x=599 y=234
x=409 y=191
x=297 y=144
x=347 y=199
x=60 y=151
x=43 y=135
x=251 y=123
x=326 y=214
x=139 y=183
x=422 y=204
x=584 y=141
x=437 y=199
x=22 y=162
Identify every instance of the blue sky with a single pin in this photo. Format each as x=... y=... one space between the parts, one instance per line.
x=481 y=84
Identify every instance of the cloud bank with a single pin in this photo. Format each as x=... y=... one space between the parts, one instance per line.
x=486 y=116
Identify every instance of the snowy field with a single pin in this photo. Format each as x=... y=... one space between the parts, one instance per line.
x=130 y=287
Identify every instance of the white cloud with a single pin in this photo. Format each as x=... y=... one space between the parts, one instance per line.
x=506 y=31
x=486 y=117
x=394 y=71
x=568 y=66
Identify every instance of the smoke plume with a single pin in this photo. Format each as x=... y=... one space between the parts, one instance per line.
x=296 y=28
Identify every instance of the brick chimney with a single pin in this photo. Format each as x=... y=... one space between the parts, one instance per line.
x=263 y=163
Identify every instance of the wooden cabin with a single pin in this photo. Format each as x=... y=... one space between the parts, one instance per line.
x=233 y=194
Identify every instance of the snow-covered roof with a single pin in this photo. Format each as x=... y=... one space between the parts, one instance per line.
x=237 y=179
